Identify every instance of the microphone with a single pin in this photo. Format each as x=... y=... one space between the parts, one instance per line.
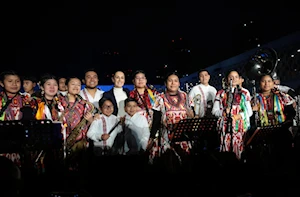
x=231 y=88
x=230 y=95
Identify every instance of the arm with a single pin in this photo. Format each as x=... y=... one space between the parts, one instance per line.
x=139 y=126
x=95 y=131
x=217 y=109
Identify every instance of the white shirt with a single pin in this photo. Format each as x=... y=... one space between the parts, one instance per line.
x=97 y=128
x=199 y=95
x=87 y=96
x=138 y=124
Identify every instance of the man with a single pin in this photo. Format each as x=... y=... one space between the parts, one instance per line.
x=91 y=92
x=202 y=96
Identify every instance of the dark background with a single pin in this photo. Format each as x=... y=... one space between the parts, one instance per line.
x=66 y=37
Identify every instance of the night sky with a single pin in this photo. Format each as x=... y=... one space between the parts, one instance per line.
x=65 y=37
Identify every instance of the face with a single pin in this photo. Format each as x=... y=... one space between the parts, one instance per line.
x=131 y=108
x=107 y=108
x=62 y=84
x=140 y=80
x=91 y=79
x=172 y=84
x=204 y=77
x=266 y=83
x=50 y=88
x=74 y=86
x=11 y=84
x=119 y=79
x=235 y=78
x=28 y=85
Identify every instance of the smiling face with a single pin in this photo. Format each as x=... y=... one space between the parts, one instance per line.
x=235 y=77
x=131 y=108
x=91 y=79
x=107 y=108
x=204 y=77
x=119 y=79
x=266 y=83
x=74 y=86
x=173 y=84
x=50 y=88
x=140 y=80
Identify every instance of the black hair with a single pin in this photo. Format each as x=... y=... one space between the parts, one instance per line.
x=137 y=72
x=169 y=74
x=130 y=99
x=102 y=100
x=33 y=79
x=203 y=70
x=8 y=72
x=69 y=78
x=46 y=77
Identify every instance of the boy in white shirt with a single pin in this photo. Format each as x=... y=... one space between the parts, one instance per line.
x=136 y=129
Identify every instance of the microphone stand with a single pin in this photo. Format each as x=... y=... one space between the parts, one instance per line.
x=230 y=100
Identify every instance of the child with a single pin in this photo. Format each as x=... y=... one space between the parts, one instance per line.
x=136 y=131
x=104 y=129
x=29 y=84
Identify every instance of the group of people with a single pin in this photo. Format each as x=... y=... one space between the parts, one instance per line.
x=141 y=121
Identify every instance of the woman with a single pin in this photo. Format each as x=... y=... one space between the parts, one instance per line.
x=77 y=117
x=233 y=108
x=174 y=106
x=275 y=109
x=146 y=98
x=49 y=106
x=118 y=94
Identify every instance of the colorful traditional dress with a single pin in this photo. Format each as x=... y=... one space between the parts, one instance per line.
x=173 y=108
x=72 y=116
x=271 y=109
x=240 y=105
x=11 y=108
x=145 y=102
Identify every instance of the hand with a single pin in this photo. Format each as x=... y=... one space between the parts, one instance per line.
x=105 y=136
x=88 y=116
x=255 y=108
x=122 y=120
x=96 y=116
x=150 y=144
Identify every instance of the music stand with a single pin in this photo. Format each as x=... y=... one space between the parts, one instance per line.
x=12 y=136
x=263 y=135
x=196 y=130
x=43 y=134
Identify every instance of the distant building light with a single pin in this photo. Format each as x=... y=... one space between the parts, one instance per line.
x=189 y=51
x=258 y=45
x=245 y=24
x=298 y=50
x=292 y=55
x=278 y=60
